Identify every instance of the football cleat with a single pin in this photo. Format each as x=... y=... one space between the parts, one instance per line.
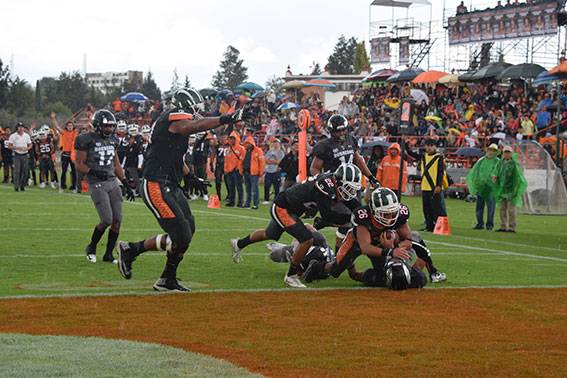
x=170 y=284
x=109 y=258
x=293 y=281
x=42 y=185
x=236 y=251
x=273 y=245
x=437 y=277
x=205 y=197
x=91 y=253
x=52 y=185
x=125 y=259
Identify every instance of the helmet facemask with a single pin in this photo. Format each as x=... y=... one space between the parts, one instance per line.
x=398 y=275
x=190 y=101
x=385 y=207
x=348 y=181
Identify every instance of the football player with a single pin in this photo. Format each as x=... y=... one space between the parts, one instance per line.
x=133 y=158
x=317 y=194
x=200 y=156
x=95 y=157
x=221 y=147
x=7 y=161
x=163 y=170
x=368 y=237
x=122 y=137
x=43 y=150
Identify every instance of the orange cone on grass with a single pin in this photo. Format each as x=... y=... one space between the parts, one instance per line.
x=442 y=226
x=214 y=202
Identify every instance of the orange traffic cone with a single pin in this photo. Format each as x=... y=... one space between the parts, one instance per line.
x=213 y=202
x=442 y=226
x=84 y=187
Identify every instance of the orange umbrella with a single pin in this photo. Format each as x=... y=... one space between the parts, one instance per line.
x=559 y=69
x=429 y=77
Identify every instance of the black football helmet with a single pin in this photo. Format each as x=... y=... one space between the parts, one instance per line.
x=189 y=101
x=335 y=124
x=103 y=118
x=398 y=275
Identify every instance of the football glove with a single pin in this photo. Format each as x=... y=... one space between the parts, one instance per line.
x=375 y=183
x=100 y=174
x=237 y=116
x=129 y=192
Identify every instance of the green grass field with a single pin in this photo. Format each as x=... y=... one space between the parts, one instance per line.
x=45 y=234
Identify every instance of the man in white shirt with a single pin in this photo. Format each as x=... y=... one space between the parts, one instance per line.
x=20 y=143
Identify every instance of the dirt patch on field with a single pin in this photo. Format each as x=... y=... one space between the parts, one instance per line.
x=495 y=332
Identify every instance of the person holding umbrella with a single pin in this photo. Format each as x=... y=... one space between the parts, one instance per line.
x=479 y=182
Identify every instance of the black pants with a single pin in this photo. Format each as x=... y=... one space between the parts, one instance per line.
x=201 y=172
x=219 y=176
x=432 y=208
x=65 y=163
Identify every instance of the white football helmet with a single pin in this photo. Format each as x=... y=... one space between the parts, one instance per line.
x=385 y=206
x=34 y=134
x=348 y=178
x=121 y=127
x=133 y=129
x=45 y=129
x=146 y=130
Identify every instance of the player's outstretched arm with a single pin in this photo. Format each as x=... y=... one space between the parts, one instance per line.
x=189 y=126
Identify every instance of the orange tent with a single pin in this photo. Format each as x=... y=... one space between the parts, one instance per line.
x=429 y=77
x=561 y=68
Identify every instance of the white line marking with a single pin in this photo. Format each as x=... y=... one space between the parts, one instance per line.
x=122 y=229
x=509 y=243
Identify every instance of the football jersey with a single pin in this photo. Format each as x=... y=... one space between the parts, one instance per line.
x=100 y=153
x=334 y=154
x=122 y=145
x=5 y=140
x=363 y=217
x=221 y=150
x=44 y=146
x=164 y=157
x=306 y=195
x=200 y=151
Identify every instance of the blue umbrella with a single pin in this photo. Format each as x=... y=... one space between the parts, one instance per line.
x=259 y=94
x=288 y=105
x=134 y=97
x=250 y=86
x=222 y=94
x=469 y=151
x=546 y=78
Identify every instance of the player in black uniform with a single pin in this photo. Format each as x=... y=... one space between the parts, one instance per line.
x=368 y=237
x=7 y=161
x=163 y=170
x=318 y=193
x=200 y=156
x=43 y=153
x=96 y=158
x=221 y=146
x=121 y=135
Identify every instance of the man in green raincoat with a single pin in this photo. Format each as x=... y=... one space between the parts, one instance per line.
x=479 y=182
x=509 y=185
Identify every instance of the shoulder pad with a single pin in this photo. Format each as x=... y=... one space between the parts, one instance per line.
x=326 y=185
x=361 y=216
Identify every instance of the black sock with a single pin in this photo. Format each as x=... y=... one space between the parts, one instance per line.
x=97 y=234
x=138 y=247
x=244 y=242
x=112 y=237
x=170 y=270
x=292 y=269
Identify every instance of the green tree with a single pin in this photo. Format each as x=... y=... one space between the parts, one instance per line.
x=129 y=86
x=274 y=83
x=231 y=72
x=72 y=90
x=4 y=84
x=361 y=59
x=38 y=99
x=341 y=61
x=150 y=88
x=20 y=98
x=315 y=69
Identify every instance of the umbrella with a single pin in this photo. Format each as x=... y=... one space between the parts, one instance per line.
x=547 y=78
x=250 y=86
x=405 y=75
x=207 y=92
x=288 y=105
x=294 y=84
x=318 y=82
x=521 y=71
x=498 y=135
x=134 y=97
x=222 y=94
x=470 y=151
x=366 y=148
x=380 y=75
x=467 y=76
x=259 y=94
x=450 y=79
x=432 y=118
x=490 y=71
x=419 y=95
x=561 y=68
x=429 y=77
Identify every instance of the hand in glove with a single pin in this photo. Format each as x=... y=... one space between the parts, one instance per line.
x=237 y=116
x=129 y=192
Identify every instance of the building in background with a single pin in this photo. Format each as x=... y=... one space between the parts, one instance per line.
x=107 y=81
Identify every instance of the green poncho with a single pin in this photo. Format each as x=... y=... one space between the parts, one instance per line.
x=510 y=182
x=479 y=179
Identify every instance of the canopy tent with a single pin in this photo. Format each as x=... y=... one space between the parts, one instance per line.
x=521 y=71
x=399 y=3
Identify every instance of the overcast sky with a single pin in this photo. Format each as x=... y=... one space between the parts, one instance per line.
x=48 y=37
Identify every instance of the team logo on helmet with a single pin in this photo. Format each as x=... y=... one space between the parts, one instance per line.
x=101 y=119
x=349 y=181
x=398 y=275
x=385 y=206
x=335 y=124
x=190 y=101
x=133 y=129
x=121 y=127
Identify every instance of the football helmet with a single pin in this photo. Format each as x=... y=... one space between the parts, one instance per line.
x=385 y=206
x=348 y=179
x=146 y=130
x=103 y=118
x=335 y=124
x=133 y=129
x=398 y=275
x=190 y=101
x=34 y=134
x=121 y=127
x=45 y=129
x=42 y=134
